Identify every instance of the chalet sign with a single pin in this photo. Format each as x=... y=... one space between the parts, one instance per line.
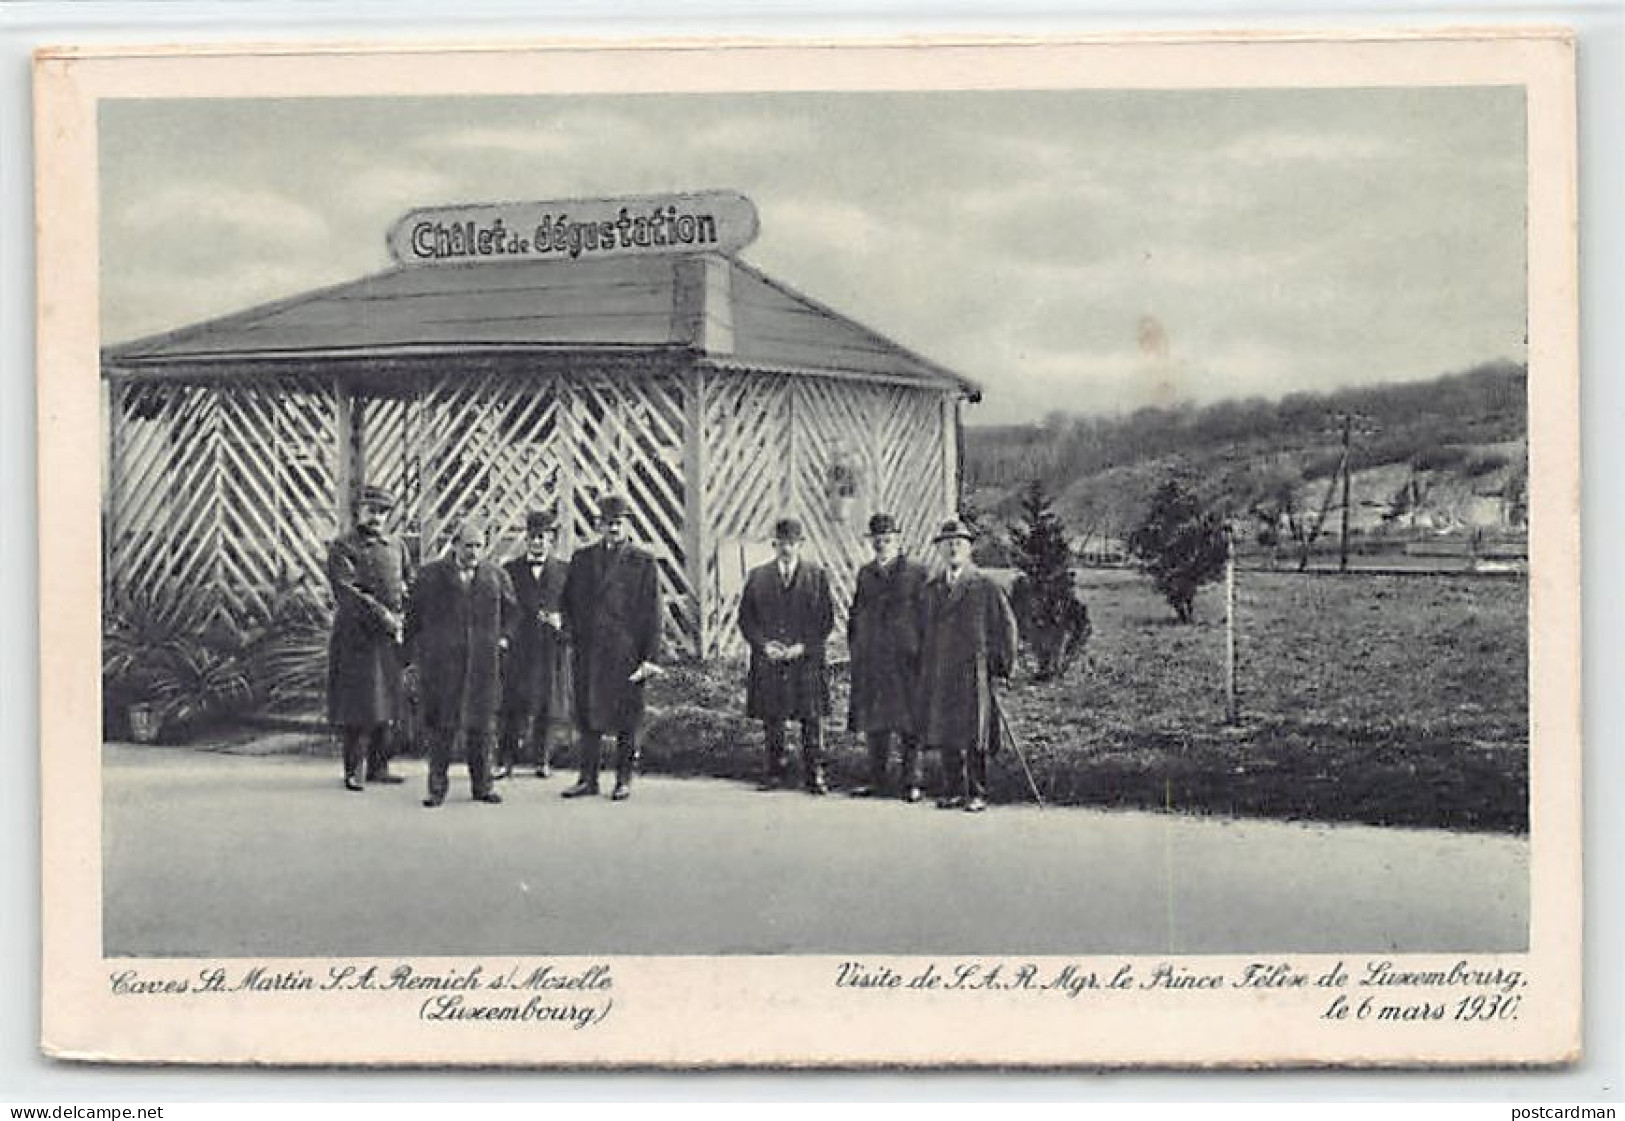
x=575 y=229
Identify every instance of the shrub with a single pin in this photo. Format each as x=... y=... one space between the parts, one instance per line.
x=1180 y=545
x=1054 y=623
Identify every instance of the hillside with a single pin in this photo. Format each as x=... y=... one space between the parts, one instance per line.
x=1436 y=458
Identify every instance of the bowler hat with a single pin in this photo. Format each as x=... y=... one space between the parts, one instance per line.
x=540 y=521
x=787 y=529
x=953 y=528
x=881 y=524
x=613 y=507
x=377 y=496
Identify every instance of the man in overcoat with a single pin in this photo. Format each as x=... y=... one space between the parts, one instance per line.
x=969 y=639
x=535 y=675
x=368 y=570
x=612 y=619
x=458 y=620
x=786 y=616
x=883 y=636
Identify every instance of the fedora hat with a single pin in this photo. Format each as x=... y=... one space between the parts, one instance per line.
x=377 y=496
x=613 y=507
x=787 y=529
x=882 y=524
x=540 y=521
x=954 y=528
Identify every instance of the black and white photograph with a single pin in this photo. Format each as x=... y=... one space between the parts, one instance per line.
x=989 y=534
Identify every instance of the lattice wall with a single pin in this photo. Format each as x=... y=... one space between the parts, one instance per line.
x=779 y=446
x=234 y=489
x=225 y=492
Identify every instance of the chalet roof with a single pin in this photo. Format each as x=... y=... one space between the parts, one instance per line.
x=621 y=304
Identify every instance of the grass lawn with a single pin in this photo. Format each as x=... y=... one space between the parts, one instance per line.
x=1390 y=699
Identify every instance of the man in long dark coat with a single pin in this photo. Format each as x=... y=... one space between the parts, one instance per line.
x=786 y=616
x=883 y=635
x=368 y=571
x=535 y=676
x=612 y=619
x=969 y=639
x=458 y=620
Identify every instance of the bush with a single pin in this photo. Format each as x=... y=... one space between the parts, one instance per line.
x=1180 y=545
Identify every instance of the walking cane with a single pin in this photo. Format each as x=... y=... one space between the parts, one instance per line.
x=1015 y=745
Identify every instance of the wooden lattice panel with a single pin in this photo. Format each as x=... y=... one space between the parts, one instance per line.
x=277 y=481
x=746 y=435
x=828 y=452
x=163 y=527
x=481 y=446
x=625 y=436
x=221 y=495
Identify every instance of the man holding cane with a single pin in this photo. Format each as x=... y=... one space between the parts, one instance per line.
x=969 y=638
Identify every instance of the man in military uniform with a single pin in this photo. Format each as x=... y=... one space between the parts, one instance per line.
x=611 y=605
x=786 y=615
x=458 y=621
x=969 y=639
x=535 y=680
x=883 y=635
x=368 y=571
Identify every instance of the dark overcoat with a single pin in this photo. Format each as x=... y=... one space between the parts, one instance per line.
x=969 y=638
x=368 y=573
x=883 y=636
x=454 y=636
x=802 y=612
x=535 y=674
x=612 y=621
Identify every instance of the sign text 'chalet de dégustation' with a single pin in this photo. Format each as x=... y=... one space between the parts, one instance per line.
x=572 y=229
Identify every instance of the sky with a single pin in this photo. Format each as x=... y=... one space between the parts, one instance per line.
x=1088 y=252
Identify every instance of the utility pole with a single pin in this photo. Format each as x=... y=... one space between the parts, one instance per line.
x=1231 y=715
x=1343 y=543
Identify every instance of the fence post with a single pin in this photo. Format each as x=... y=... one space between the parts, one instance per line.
x=1231 y=716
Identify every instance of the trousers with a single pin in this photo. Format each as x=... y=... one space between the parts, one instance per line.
x=627 y=753
x=369 y=743
x=964 y=773
x=911 y=772
x=476 y=752
x=778 y=752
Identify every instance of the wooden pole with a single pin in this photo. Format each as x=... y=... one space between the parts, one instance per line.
x=1343 y=543
x=1231 y=715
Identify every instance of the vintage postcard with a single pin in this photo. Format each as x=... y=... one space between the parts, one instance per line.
x=1031 y=553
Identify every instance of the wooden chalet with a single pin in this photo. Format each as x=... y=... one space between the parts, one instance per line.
x=716 y=398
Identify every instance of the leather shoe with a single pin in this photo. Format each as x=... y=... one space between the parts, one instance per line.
x=976 y=805
x=622 y=792
x=913 y=794
x=953 y=803
x=490 y=796
x=817 y=788
x=502 y=772
x=580 y=790
x=353 y=783
x=386 y=779
x=432 y=802
x=544 y=771
x=864 y=792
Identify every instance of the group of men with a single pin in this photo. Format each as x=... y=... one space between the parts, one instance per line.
x=491 y=649
x=498 y=653
x=925 y=651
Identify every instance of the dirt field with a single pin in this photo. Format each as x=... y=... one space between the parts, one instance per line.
x=1390 y=699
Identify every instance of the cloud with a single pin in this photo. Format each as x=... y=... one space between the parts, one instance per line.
x=188 y=212
x=1272 y=149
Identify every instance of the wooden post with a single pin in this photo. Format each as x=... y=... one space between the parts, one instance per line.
x=696 y=541
x=1348 y=465
x=1231 y=715
x=346 y=473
